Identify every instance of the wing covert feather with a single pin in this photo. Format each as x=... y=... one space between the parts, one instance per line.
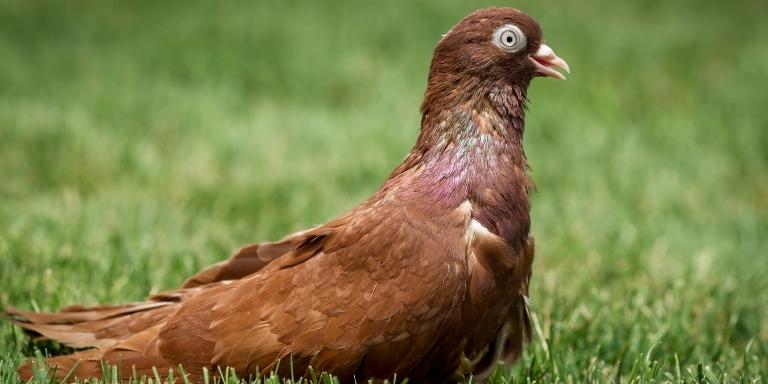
x=373 y=281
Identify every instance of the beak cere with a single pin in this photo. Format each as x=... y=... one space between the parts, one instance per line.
x=545 y=60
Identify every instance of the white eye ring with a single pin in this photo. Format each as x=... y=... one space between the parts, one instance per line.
x=509 y=38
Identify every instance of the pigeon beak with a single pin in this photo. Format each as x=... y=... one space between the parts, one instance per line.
x=545 y=60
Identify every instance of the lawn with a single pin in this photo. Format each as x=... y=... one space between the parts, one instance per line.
x=142 y=140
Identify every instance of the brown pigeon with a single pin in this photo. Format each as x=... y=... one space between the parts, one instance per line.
x=427 y=279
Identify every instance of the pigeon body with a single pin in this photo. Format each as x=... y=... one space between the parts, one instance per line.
x=427 y=279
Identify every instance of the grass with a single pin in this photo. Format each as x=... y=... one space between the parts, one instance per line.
x=140 y=141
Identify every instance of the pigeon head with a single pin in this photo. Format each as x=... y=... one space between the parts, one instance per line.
x=470 y=145
x=502 y=44
x=490 y=51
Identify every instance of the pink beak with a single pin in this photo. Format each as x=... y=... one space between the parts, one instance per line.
x=545 y=60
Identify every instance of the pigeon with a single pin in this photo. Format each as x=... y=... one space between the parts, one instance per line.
x=427 y=279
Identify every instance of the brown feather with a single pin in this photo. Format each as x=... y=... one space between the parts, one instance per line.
x=246 y=261
x=427 y=279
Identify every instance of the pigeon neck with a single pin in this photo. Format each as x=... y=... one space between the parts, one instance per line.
x=471 y=150
x=477 y=132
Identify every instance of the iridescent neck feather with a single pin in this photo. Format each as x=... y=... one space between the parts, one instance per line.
x=470 y=149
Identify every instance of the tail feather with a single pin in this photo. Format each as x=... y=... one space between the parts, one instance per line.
x=129 y=342
x=85 y=362
x=99 y=326
x=92 y=363
x=127 y=335
x=79 y=314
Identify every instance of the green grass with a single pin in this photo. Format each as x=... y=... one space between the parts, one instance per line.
x=140 y=141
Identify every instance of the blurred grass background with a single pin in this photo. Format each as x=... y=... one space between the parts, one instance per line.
x=142 y=140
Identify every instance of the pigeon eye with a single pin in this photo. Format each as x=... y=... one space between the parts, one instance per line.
x=509 y=38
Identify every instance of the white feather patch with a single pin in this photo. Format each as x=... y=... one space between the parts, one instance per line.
x=478 y=229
